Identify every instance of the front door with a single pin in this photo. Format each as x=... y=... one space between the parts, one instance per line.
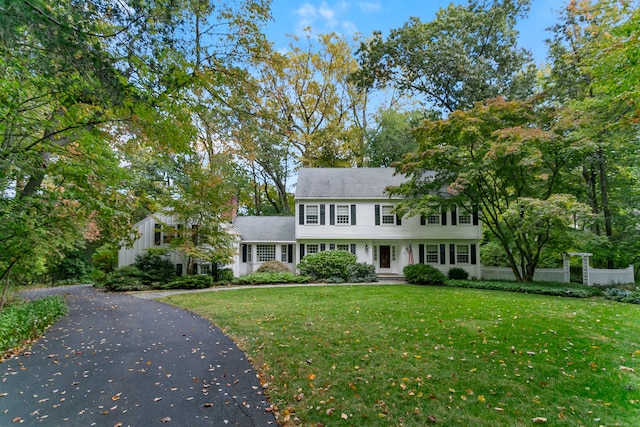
x=385 y=256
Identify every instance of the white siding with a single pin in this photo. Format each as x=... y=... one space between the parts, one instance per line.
x=366 y=227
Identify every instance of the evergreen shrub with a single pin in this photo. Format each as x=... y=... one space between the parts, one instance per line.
x=273 y=266
x=328 y=265
x=423 y=274
x=457 y=273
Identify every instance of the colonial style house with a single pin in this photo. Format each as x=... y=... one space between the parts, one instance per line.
x=351 y=210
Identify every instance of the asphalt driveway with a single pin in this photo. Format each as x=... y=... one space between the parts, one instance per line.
x=117 y=360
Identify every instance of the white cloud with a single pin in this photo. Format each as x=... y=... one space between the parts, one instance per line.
x=325 y=17
x=369 y=6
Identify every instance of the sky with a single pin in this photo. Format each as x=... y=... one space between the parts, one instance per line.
x=348 y=17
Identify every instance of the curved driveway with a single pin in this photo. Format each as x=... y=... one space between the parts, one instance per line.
x=117 y=360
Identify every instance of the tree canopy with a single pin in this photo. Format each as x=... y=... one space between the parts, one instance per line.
x=468 y=53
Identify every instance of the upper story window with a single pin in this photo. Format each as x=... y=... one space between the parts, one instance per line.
x=388 y=217
x=464 y=217
x=342 y=214
x=312 y=214
x=433 y=219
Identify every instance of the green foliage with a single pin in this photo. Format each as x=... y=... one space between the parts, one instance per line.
x=363 y=273
x=423 y=274
x=574 y=290
x=223 y=275
x=125 y=279
x=197 y=281
x=328 y=265
x=74 y=267
x=623 y=295
x=105 y=258
x=270 y=278
x=502 y=156
x=273 y=266
x=30 y=320
x=155 y=266
x=427 y=59
x=457 y=273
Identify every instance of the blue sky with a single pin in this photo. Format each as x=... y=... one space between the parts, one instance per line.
x=349 y=17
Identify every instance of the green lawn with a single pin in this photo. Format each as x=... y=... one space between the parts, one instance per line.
x=393 y=355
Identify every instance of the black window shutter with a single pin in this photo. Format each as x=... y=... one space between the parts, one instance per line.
x=301 y=250
x=301 y=214
x=421 y=253
x=475 y=215
x=473 y=254
x=332 y=214
x=244 y=253
x=452 y=254
x=194 y=269
x=443 y=217
x=423 y=220
x=353 y=248
x=353 y=214
x=398 y=220
x=290 y=254
x=178 y=270
x=443 y=251
x=322 y=214
x=157 y=235
x=454 y=216
x=323 y=247
x=377 y=214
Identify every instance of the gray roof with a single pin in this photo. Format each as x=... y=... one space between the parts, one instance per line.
x=266 y=228
x=346 y=182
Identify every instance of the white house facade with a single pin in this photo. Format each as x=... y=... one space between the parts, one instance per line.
x=347 y=209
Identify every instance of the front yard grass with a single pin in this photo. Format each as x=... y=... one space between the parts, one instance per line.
x=403 y=355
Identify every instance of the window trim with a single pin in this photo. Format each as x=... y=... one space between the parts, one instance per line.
x=346 y=218
x=265 y=252
x=460 y=260
x=307 y=214
x=388 y=218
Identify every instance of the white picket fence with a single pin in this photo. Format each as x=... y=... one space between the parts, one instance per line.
x=595 y=276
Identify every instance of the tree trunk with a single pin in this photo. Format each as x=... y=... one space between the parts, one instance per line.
x=604 y=199
x=6 y=274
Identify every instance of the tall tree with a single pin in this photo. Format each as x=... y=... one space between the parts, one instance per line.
x=593 y=67
x=300 y=109
x=393 y=136
x=504 y=159
x=92 y=90
x=468 y=53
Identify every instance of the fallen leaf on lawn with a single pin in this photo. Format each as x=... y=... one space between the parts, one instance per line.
x=344 y=416
x=311 y=377
x=431 y=419
x=499 y=409
x=481 y=398
x=626 y=369
x=539 y=420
